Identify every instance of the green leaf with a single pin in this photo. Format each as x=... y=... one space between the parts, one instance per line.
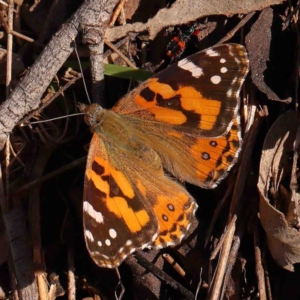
x=126 y=72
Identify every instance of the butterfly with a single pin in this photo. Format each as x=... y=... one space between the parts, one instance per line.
x=183 y=122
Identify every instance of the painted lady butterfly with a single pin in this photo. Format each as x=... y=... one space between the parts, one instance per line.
x=184 y=120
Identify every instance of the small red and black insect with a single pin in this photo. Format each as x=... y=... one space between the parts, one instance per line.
x=178 y=42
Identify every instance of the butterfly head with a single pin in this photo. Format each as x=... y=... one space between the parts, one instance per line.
x=93 y=113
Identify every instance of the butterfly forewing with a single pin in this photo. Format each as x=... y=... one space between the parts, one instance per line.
x=115 y=219
x=198 y=95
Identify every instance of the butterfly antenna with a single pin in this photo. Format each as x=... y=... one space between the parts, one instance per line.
x=84 y=84
x=49 y=120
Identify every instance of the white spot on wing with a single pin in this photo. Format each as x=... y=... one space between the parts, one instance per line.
x=215 y=79
x=112 y=233
x=97 y=216
x=154 y=237
x=89 y=235
x=104 y=256
x=211 y=52
x=224 y=70
x=187 y=65
x=229 y=93
x=107 y=242
x=99 y=244
x=128 y=243
x=222 y=60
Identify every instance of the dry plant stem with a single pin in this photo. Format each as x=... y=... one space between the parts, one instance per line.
x=22 y=36
x=27 y=94
x=199 y=284
x=232 y=257
x=7 y=163
x=223 y=237
x=21 y=254
x=129 y=63
x=268 y=284
x=2 y=193
x=215 y=289
x=298 y=56
x=93 y=36
x=97 y=71
x=249 y=141
x=42 y=286
x=116 y=12
x=290 y=15
x=232 y=32
x=217 y=213
x=46 y=102
x=16 y=155
x=36 y=2
x=174 y=264
x=42 y=158
x=119 y=44
x=8 y=82
x=50 y=175
x=163 y=276
x=236 y=205
x=71 y=275
x=258 y=264
x=17 y=23
x=121 y=284
x=9 y=46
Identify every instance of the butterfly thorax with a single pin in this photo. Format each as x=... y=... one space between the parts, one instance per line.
x=112 y=127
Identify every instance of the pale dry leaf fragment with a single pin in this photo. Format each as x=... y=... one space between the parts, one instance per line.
x=184 y=11
x=275 y=165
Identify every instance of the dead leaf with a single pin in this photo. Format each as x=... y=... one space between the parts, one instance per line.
x=258 y=43
x=275 y=166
